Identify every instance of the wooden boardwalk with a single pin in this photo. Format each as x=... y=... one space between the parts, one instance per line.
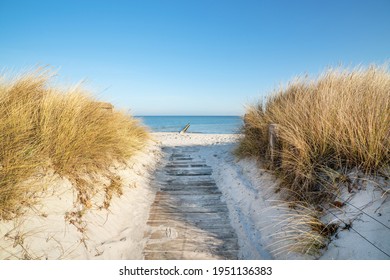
x=188 y=220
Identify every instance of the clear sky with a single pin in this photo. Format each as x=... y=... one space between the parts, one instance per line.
x=190 y=57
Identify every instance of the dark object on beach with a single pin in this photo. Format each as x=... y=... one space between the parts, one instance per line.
x=185 y=128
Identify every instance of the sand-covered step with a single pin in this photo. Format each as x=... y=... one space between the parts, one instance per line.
x=189 y=216
x=187 y=209
x=193 y=191
x=188 y=180
x=211 y=226
x=166 y=232
x=164 y=195
x=181 y=201
x=189 y=255
x=205 y=203
x=182 y=159
x=190 y=187
x=184 y=182
x=189 y=161
x=191 y=245
x=162 y=232
x=189 y=172
x=186 y=166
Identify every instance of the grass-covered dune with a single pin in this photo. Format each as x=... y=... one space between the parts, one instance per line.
x=327 y=126
x=43 y=127
x=338 y=121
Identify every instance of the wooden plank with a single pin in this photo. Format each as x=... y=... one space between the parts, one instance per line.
x=201 y=191
x=204 y=226
x=191 y=199
x=179 y=155
x=179 y=204
x=207 y=217
x=190 y=216
x=184 y=209
x=182 y=255
x=191 y=246
x=198 y=169
x=189 y=172
x=187 y=166
x=187 y=162
x=201 y=171
x=162 y=194
x=186 y=180
x=176 y=233
x=187 y=229
x=189 y=184
x=178 y=159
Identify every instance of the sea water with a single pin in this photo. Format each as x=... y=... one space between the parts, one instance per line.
x=198 y=124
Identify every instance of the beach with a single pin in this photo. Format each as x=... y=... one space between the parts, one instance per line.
x=52 y=230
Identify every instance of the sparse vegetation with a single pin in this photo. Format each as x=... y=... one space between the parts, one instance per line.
x=326 y=126
x=43 y=127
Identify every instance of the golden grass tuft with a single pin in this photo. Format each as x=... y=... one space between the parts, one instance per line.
x=67 y=130
x=336 y=122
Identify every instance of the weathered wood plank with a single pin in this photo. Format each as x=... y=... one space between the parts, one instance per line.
x=189 y=216
x=189 y=172
x=201 y=191
x=183 y=255
x=187 y=162
x=188 y=184
x=191 y=246
x=190 y=179
x=179 y=187
x=182 y=158
x=179 y=204
x=184 y=209
x=184 y=232
x=165 y=195
x=180 y=200
x=187 y=166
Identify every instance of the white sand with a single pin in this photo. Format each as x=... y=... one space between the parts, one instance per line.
x=118 y=233
x=46 y=231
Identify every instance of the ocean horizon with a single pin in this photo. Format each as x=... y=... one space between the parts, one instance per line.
x=198 y=124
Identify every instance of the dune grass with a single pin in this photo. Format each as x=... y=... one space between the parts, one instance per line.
x=44 y=127
x=326 y=126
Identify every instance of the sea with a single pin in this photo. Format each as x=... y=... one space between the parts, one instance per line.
x=198 y=124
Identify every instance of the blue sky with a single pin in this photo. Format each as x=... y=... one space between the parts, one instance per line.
x=190 y=57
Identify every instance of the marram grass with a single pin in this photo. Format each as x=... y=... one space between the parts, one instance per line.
x=326 y=126
x=44 y=127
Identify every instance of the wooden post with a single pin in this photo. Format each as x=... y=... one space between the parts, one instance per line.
x=273 y=138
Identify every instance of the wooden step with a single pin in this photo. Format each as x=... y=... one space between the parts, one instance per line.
x=164 y=195
x=181 y=232
x=184 y=209
x=192 y=172
x=185 y=255
x=190 y=246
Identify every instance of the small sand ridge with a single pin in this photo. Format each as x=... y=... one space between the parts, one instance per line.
x=188 y=219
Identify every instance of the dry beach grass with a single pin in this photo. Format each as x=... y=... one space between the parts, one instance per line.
x=327 y=126
x=43 y=127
